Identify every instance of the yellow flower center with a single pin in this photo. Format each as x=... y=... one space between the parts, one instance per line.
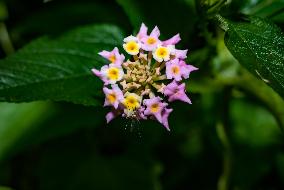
x=175 y=70
x=151 y=41
x=111 y=98
x=113 y=73
x=112 y=58
x=132 y=47
x=131 y=102
x=154 y=108
x=162 y=52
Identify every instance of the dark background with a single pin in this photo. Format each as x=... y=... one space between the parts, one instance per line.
x=227 y=139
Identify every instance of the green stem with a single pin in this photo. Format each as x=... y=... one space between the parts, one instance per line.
x=272 y=101
x=5 y=39
x=222 y=132
x=215 y=7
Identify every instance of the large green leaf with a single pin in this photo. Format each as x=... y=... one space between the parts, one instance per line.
x=259 y=46
x=58 y=69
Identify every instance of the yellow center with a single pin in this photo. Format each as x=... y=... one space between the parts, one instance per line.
x=111 y=98
x=131 y=103
x=113 y=73
x=175 y=70
x=162 y=52
x=132 y=47
x=151 y=41
x=112 y=58
x=154 y=108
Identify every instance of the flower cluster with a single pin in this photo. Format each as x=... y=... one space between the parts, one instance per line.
x=138 y=87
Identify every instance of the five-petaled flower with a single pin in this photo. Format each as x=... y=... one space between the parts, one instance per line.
x=140 y=87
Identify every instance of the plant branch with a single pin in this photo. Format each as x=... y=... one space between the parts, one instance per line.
x=223 y=134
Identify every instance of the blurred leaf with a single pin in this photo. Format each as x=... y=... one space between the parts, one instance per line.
x=259 y=46
x=67 y=14
x=83 y=161
x=170 y=16
x=258 y=130
x=5 y=188
x=67 y=119
x=279 y=18
x=263 y=8
x=272 y=9
x=255 y=137
x=280 y=165
x=17 y=120
x=3 y=11
x=58 y=69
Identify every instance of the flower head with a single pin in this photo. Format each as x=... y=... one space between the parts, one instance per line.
x=141 y=87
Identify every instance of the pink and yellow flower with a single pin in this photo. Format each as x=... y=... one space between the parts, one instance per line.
x=172 y=41
x=132 y=45
x=154 y=106
x=163 y=53
x=113 y=56
x=110 y=74
x=176 y=91
x=177 y=69
x=149 y=43
x=142 y=87
x=114 y=96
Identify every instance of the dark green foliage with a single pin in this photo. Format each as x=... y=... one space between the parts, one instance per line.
x=259 y=46
x=229 y=138
x=58 y=69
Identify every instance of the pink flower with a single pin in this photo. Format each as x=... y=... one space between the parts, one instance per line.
x=174 y=70
x=140 y=113
x=142 y=32
x=172 y=41
x=113 y=56
x=113 y=114
x=180 y=54
x=176 y=91
x=109 y=74
x=177 y=69
x=136 y=88
x=114 y=96
x=100 y=74
x=165 y=114
x=186 y=69
x=154 y=106
x=149 y=43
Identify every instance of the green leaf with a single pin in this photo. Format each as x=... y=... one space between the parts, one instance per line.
x=259 y=46
x=58 y=69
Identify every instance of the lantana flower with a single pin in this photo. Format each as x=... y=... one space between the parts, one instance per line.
x=141 y=87
x=113 y=56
